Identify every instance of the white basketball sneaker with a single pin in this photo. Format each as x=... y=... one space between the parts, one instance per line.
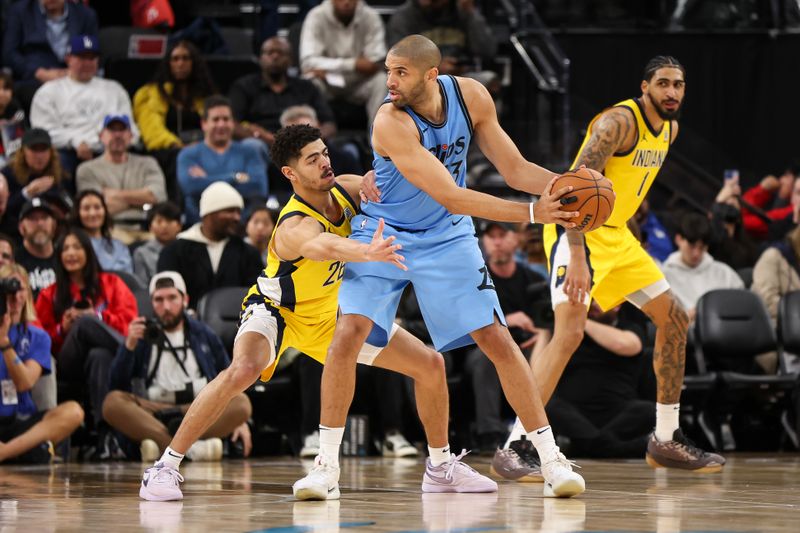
x=161 y=483
x=322 y=483
x=559 y=479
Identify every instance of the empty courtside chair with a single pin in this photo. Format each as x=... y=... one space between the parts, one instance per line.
x=732 y=327
x=220 y=310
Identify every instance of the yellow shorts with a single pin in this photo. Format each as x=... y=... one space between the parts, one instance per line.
x=619 y=265
x=284 y=329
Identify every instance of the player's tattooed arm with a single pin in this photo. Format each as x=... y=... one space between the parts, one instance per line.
x=613 y=132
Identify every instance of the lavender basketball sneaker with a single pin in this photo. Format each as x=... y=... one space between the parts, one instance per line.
x=455 y=476
x=161 y=483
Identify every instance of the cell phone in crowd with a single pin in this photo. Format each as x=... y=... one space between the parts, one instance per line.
x=82 y=304
x=731 y=173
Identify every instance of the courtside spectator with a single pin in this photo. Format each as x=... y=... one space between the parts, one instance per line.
x=164 y=221
x=91 y=214
x=343 y=45
x=772 y=195
x=161 y=368
x=210 y=254
x=219 y=158
x=27 y=434
x=37 y=225
x=71 y=109
x=127 y=181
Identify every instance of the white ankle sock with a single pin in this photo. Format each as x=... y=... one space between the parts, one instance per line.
x=439 y=455
x=667 y=420
x=330 y=439
x=544 y=442
x=171 y=458
x=516 y=432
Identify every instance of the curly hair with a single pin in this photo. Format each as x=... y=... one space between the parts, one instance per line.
x=289 y=142
x=199 y=84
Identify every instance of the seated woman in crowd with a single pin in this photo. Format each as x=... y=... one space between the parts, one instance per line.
x=91 y=214
x=26 y=433
x=168 y=110
x=86 y=312
x=258 y=229
x=34 y=170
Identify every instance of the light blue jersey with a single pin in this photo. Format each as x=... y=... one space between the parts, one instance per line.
x=452 y=284
x=403 y=205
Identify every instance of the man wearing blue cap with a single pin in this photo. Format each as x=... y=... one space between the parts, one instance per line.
x=72 y=108
x=127 y=181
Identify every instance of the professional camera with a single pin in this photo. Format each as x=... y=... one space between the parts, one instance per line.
x=7 y=286
x=152 y=330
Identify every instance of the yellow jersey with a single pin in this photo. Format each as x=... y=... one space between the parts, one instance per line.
x=305 y=287
x=632 y=172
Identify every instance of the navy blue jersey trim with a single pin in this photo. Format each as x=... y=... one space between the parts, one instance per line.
x=462 y=103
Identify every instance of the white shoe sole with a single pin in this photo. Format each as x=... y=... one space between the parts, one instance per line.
x=565 y=489
x=316 y=493
x=145 y=495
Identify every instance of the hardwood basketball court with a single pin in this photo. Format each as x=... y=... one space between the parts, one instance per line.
x=752 y=493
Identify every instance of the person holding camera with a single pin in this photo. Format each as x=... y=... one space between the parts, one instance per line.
x=512 y=281
x=159 y=370
x=26 y=433
x=86 y=312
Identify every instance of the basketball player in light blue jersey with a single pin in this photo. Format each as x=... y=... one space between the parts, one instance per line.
x=420 y=144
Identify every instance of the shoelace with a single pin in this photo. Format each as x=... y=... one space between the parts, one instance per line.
x=562 y=460
x=516 y=459
x=455 y=460
x=168 y=472
x=687 y=443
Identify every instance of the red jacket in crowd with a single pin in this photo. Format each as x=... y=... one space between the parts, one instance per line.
x=116 y=306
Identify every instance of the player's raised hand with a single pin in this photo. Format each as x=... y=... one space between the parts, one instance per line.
x=369 y=191
x=548 y=209
x=381 y=249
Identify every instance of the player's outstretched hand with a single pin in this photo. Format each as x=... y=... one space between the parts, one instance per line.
x=369 y=192
x=548 y=209
x=381 y=249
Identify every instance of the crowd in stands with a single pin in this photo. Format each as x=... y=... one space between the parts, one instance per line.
x=118 y=215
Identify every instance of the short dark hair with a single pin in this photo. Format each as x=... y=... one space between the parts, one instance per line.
x=167 y=209
x=7 y=79
x=695 y=228
x=215 y=101
x=661 y=62
x=289 y=142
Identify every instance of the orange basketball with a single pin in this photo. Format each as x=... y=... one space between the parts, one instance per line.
x=592 y=196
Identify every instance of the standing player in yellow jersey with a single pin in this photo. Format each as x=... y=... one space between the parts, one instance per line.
x=294 y=303
x=628 y=144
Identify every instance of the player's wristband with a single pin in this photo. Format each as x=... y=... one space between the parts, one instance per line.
x=6 y=347
x=530 y=209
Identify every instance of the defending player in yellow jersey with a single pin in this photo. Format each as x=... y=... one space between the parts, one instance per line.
x=628 y=144
x=294 y=303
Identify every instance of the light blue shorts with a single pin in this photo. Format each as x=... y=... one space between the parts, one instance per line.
x=452 y=283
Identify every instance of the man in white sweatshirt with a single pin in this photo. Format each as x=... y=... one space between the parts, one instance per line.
x=342 y=48
x=71 y=109
x=691 y=271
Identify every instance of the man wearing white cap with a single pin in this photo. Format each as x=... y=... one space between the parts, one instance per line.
x=210 y=254
x=158 y=371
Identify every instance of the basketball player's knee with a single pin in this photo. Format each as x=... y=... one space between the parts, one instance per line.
x=569 y=337
x=432 y=372
x=242 y=373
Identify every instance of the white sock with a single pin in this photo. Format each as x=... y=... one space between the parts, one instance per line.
x=171 y=458
x=330 y=439
x=516 y=432
x=667 y=415
x=439 y=456
x=544 y=442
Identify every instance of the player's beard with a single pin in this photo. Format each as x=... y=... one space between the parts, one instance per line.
x=666 y=114
x=411 y=97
